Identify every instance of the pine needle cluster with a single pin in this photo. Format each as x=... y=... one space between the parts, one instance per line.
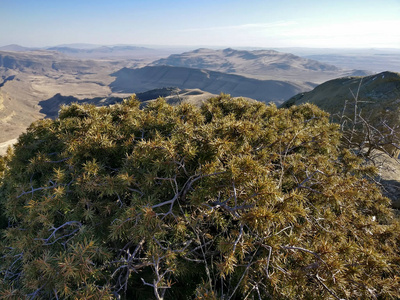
x=230 y=200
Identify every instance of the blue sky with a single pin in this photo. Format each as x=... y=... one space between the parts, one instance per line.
x=233 y=23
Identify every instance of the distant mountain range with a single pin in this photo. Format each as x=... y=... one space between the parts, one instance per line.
x=260 y=64
x=231 y=60
x=108 y=51
x=42 y=61
x=17 y=48
x=88 y=51
x=35 y=82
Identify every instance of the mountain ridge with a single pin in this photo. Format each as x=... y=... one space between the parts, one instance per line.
x=260 y=64
x=30 y=76
x=373 y=89
x=151 y=77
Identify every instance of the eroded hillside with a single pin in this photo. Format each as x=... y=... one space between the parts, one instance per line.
x=26 y=78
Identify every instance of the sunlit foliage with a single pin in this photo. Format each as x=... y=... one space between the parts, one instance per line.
x=232 y=200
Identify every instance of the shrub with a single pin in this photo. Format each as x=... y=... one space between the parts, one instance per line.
x=232 y=200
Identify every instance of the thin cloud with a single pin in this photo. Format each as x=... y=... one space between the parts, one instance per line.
x=380 y=33
x=243 y=26
x=349 y=29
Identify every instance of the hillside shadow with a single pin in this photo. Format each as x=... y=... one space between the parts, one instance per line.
x=51 y=106
x=9 y=78
x=391 y=189
x=153 y=77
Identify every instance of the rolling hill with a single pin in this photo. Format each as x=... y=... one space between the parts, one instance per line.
x=31 y=79
x=151 y=77
x=379 y=91
x=260 y=64
x=43 y=62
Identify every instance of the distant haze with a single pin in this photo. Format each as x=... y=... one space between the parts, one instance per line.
x=235 y=23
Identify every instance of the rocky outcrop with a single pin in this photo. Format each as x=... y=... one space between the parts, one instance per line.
x=388 y=176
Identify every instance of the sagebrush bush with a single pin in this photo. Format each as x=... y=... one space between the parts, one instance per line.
x=233 y=200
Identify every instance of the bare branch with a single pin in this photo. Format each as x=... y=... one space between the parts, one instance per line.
x=186 y=244
x=8 y=272
x=192 y=179
x=159 y=278
x=53 y=234
x=309 y=177
x=328 y=289
x=129 y=267
x=136 y=191
x=54 y=185
x=251 y=262
x=268 y=259
x=35 y=293
x=238 y=239
x=304 y=250
x=57 y=161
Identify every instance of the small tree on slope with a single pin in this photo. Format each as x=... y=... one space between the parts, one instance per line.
x=233 y=200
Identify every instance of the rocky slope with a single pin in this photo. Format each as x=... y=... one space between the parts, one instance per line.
x=379 y=91
x=388 y=176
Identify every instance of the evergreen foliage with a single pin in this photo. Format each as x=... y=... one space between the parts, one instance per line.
x=232 y=200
